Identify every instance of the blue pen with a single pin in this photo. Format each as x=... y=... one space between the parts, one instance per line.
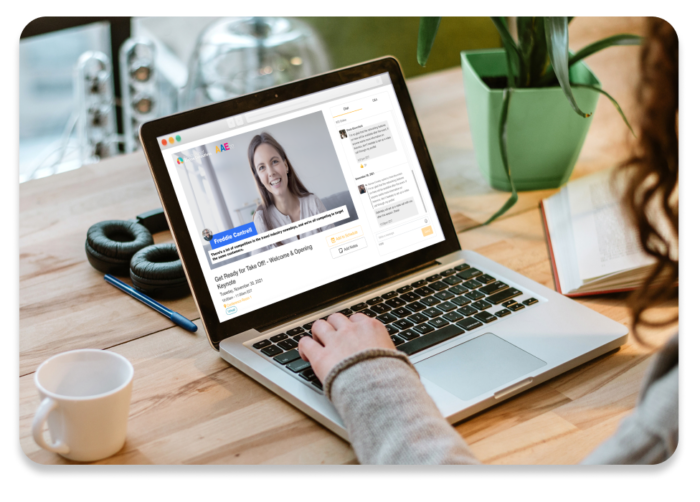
x=178 y=319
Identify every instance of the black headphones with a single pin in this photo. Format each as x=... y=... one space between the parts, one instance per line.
x=126 y=248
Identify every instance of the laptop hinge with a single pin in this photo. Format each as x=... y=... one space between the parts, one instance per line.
x=341 y=298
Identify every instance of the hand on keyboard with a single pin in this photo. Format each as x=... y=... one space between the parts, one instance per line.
x=340 y=337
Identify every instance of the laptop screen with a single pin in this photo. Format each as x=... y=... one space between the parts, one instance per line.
x=286 y=198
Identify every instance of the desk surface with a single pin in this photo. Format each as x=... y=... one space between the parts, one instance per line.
x=191 y=407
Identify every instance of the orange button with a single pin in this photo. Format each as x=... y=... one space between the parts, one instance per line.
x=427 y=231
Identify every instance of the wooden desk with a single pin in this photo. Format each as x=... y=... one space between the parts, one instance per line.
x=189 y=406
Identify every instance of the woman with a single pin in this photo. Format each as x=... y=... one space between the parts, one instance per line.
x=389 y=416
x=285 y=198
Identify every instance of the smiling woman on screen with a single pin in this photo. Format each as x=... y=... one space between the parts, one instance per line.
x=285 y=199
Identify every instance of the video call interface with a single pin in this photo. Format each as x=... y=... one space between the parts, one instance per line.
x=287 y=198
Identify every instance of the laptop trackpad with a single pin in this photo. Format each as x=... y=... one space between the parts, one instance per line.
x=483 y=364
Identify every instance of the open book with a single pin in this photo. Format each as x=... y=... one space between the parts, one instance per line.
x=593 y=246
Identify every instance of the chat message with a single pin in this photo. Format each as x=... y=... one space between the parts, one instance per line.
x=396 y=212
x=370 y=142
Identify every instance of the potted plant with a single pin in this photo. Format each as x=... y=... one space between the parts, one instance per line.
x=527 y=133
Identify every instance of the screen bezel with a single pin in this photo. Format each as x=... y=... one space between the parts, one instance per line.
x=298 y=304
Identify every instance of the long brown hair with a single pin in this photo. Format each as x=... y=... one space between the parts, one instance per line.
x=294 y=183
x=652 y=193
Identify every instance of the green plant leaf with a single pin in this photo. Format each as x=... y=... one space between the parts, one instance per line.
x=612 y=100
x=513 y=56
x=557 y=36
x=427 y=31
x=623 y=39
x=503 y=136
x=533 y=48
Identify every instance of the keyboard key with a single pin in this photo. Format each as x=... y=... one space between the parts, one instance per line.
x=375 y=300
x=509 y=303
x=262 y=344
x=419 y=284
x=308 y=374
x=530 y=301
x=461 y=267
x=448 y=272
x=401 y=312
x=317 y=383
x=423 y=329
x=460 y=301
x=475 y=295
x=417 y=318
x=431 y=339
x=288 y=344
x=410 y=297
x=404 y=289
x=415 y=307
x=386 y=318
x=485 y=279
x=444 y=295
x=346 y=312
x=495 y=287
x=504 y=295
x=486 y=317
x=299 y=337
x=469 y=323
x=424 y=291
x=287 y=357
x=402 y=324
x=514 y=307
x=454 y=317
x=458 y=290
x=472 y=284
x=409 y=335
x=432 y=312
x=438 y=286
x=438 y=322
x=380 y=308
x=470 y=273
x=307 y=326
x=452 y=280
x=298 y=365
x=467 y=311
x=433 y=278
x=368 y=313
x=359 y=306
x=447 y=306
x=395 y=303
x=397 y=340
x=392 y=330
x=481 y=305
x=279 y=338
x=389 y=295
x=503 y=313
x=295 y=331
x=430 y=301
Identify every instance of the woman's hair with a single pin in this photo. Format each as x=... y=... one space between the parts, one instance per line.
x=651 y=196
x=294 y=183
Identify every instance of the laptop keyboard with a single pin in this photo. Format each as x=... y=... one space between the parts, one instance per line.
x=417 y=316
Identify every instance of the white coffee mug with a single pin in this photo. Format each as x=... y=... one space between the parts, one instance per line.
x=85 y=400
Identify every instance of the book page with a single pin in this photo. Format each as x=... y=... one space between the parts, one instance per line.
x=605 y=241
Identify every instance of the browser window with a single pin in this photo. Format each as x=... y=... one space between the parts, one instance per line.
x=290 y=197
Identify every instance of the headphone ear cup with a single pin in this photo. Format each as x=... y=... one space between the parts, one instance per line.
x=110 y=245
x=157 y=271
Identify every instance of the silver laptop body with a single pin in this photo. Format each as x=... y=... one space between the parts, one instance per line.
x=514 y=353
x=477 y=346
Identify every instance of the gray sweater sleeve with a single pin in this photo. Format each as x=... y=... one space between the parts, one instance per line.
x=388 y=414
x=391 y=419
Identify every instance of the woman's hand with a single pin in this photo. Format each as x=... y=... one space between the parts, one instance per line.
x=341 y=337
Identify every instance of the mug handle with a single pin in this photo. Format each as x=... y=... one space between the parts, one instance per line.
x=42 y=413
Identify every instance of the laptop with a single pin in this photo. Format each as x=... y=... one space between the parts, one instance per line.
x=319 y=196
